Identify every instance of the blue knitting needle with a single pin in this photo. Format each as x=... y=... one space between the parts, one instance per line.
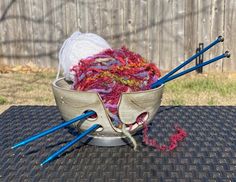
x=94 y=127
x=55 y=128
x=159 y=83
x=72 y=142
x=219 y=39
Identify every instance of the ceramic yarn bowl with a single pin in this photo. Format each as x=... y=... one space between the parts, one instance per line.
x=74 y=103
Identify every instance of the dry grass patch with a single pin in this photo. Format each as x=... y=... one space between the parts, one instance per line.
x=32 y=88
x=35 y=88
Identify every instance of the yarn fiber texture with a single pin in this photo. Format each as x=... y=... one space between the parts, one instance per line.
x=112 y=72
x=79 y=46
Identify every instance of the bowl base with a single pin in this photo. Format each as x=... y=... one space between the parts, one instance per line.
x=105 y=141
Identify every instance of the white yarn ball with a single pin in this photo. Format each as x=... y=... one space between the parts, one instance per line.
x=79 y=46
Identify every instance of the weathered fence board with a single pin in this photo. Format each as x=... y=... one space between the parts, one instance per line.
x=190 y=34
x=217 y=28
x=165 y=32
x=38 y=31
x=153 y=34
x=178 y=32
x=204 y=23
x=230 y=34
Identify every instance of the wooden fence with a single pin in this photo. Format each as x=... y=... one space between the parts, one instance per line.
x=164 y=31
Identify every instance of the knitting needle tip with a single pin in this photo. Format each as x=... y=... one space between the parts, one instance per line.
x=46 y=161
x=69 y=144
x=227 y=54
x=53 y=129
x=221 y=38
x=17 y=145
x=42 y=164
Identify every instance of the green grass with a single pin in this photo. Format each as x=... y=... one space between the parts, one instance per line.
x=35 y=88
x=177 y=102
x=201 y=90
x=43 y=75
x=3 y=100
x=211 y=84
x=28 y=88
x=204 y=84
x=211 y=102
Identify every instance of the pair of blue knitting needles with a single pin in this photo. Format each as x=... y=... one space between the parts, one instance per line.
x=161 y=81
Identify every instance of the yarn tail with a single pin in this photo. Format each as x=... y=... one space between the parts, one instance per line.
x=128 y=135
x=174 y=139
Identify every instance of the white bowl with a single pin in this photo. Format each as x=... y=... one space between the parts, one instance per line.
x=73 y=103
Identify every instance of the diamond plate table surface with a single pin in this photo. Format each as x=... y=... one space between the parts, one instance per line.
x=207 y=154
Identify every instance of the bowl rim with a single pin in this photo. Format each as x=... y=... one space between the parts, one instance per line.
x=78 y=91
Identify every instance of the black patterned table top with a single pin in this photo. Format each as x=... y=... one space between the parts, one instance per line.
x=207 y=154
